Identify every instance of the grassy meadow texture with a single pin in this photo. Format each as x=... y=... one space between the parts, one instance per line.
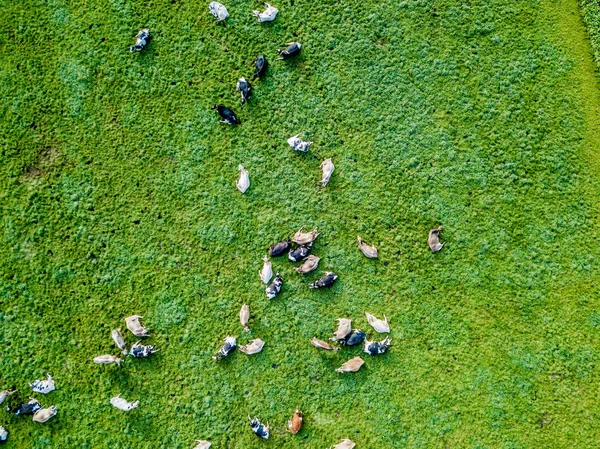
x=117 y=197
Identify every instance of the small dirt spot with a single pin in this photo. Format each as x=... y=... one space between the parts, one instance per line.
x=48 y=155
x=32 y=171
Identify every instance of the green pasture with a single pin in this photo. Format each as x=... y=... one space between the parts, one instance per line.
x=117 y=197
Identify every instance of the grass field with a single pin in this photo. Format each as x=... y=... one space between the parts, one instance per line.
x=117 y=197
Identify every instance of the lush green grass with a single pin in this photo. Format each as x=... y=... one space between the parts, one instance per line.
x=117 y=197
x=590 y=10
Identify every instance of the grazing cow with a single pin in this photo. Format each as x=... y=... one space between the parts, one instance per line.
x=140 y=351
x=353 y=339
x=218 y=11
x=344 y=328
x=310 y=264
x=292 y=49
x=377 y=347
x=322 y=344
x=380 y=326
x=44 y=414
x=254 y=347
x=141 y=40
x=4 y=394
x=245 y=316
x=267 y=15
x=326 y=280
x=245 y=89
x=302 y=238
x=122 y=404
x=260 y=430
x=434 y=240
x=267 y=271
x=300 y=253
x=279 y=248
x=243 y=183
x=328 y=167
x=107 y=358
x=297 y=144
x=274 y=288
x=43 y=386
x=260 y=66
x=295 y=423
x=345 y=444
x=26 y=408
x=369 y=251
x=228 y=347
x=351 y=366
x=119 y=340
x=134 y=325
x=227 y=115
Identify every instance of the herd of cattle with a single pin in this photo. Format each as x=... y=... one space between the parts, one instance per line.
x=298 y=249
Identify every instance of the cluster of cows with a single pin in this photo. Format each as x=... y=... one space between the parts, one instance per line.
x=31 y=407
